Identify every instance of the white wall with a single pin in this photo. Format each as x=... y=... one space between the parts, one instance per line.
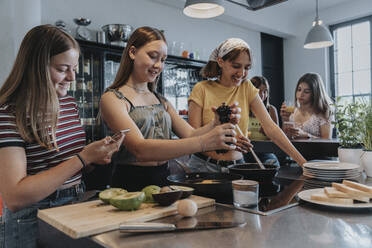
x=16 y=17
x=298 y=61
x=205 y=34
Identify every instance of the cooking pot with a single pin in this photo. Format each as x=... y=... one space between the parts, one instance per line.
x=265 y=177
x=252 y=171
x=117 y=32
x=212 y=185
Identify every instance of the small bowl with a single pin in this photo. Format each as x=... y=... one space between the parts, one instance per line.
x=186 y=191
x=167 y=198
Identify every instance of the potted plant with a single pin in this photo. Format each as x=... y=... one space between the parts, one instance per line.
x=366 y=158
x=349 y=125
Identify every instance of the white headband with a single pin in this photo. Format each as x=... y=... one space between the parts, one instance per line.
x=226 y=47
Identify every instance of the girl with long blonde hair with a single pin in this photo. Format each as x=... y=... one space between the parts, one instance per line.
x=42 y=143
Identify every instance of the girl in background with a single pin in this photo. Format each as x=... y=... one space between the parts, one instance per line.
x=255 y=129
x=312 y=116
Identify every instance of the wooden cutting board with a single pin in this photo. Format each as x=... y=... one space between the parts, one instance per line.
x=93 y=217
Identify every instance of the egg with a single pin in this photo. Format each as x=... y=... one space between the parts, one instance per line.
x=187 y=208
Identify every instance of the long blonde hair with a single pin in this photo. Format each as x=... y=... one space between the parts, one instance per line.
x=29 y=90
x=140 y=37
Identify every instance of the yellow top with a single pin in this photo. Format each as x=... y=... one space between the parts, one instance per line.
x=210 y=93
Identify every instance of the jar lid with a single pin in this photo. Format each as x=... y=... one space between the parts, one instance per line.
x=244 y=184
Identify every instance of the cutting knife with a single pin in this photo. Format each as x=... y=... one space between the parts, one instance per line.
x=166 y=227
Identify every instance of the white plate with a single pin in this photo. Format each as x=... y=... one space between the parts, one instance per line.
x=331 y=166
x=306 y=194
x=333 y=178
x=331 y=175
x=332 y=171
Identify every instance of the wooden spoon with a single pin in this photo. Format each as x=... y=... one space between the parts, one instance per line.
x=251 y=150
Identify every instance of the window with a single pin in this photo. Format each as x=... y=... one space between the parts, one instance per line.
x=350 y=57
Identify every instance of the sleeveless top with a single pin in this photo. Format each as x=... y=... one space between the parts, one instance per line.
x=313 y=124
x=153 y=121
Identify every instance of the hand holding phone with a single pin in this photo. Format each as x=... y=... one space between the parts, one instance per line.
x=117 y=136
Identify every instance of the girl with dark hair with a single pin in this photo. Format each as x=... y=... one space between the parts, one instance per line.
x=41 y=139
x=313 y=115
x=261 y=83
x=256 y=131
x=132 y=102
x=227 y=70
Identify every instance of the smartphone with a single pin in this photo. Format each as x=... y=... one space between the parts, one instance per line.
x=117 y=136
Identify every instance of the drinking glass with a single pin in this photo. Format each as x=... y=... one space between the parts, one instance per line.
x=180 y=48
x=290 y=108
x=172 y=48
x=287 y=125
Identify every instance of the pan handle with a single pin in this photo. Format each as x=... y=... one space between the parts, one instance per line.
x=184 y=167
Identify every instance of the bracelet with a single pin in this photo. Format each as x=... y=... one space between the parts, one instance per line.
x=201 y=144
x=81 y=160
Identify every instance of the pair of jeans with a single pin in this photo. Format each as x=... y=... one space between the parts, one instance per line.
x=197 y=164
x=20 y=229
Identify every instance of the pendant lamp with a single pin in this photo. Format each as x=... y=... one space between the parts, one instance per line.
x=203 y=8
x=318 y=36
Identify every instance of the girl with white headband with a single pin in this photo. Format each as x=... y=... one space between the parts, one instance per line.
x=227 y=71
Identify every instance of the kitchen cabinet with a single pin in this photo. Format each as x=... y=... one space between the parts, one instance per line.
x=177 y=80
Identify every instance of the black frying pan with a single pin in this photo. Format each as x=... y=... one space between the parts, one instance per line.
x=212 y=185
x=252 y=171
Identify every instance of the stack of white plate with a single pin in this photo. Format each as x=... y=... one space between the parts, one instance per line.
x=331 y=170
x=311 y=183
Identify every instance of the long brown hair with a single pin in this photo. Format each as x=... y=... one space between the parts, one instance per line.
x=257 y=81
x=212 y=69
x=29 y=89
x=139 y=38
x=320 y=101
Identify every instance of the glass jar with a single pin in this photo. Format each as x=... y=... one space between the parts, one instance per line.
x=245 y=193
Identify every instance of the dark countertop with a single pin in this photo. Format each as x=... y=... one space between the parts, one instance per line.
x=309 y=148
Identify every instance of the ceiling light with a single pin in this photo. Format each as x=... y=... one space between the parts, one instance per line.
x=203 y=8
x=318 y=36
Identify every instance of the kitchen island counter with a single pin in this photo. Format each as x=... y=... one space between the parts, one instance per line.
x=301 y=226
x=305 y=226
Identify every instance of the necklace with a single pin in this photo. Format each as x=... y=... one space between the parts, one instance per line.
x=138 y=90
